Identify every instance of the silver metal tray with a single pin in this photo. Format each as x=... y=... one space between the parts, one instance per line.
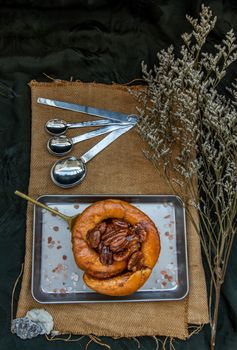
x=56 y=277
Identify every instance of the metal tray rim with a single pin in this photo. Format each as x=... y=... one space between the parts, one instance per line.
x=110 y=195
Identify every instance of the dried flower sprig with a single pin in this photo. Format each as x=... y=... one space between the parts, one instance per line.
x=192 y=133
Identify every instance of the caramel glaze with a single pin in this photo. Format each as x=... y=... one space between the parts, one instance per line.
x=113 y=279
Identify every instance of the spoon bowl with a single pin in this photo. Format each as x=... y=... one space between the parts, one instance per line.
x=56 y=126
x=68 y=172
x=60 y=145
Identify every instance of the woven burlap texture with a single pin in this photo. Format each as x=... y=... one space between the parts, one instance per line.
x=121 y=168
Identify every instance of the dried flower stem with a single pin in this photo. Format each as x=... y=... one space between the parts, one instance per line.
x=191 y=130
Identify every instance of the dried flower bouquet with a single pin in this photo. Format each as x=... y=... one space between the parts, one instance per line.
x=191 y=129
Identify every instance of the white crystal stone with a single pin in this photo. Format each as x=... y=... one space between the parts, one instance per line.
x=42 y=317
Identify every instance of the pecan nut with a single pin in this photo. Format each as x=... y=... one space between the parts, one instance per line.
x=109 y=227
x=102 y=227
x=100 y=247
x=142 y=236
x=118 y=244
x=109 y=238
x=140 y=231
x=133 y=238
x=121 y=256
x=106 y=256
x=120 y=223
x=113 y=238
x=113 y=233
x=93 y=238
x=136 y=261
x=134 y=247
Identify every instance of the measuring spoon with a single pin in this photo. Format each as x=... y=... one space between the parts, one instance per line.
x=69 y=219
x=62 y=145
x=70 y=171
x=59 y=127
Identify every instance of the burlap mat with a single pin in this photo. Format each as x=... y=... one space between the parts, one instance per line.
x=121 y=168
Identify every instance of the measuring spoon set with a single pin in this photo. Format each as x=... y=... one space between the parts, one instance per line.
x=70 y=171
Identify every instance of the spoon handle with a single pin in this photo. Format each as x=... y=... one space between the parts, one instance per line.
x=39 y=204
x=101 y=122
x=100 y=146
x=119 y=117
x=94 y=133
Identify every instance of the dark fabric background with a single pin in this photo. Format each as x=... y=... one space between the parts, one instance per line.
x=94 y=40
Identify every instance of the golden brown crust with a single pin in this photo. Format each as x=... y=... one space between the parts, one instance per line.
x=122 y=285
x=100 y=277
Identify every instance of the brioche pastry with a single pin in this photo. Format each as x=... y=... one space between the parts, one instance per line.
x=117 y=246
